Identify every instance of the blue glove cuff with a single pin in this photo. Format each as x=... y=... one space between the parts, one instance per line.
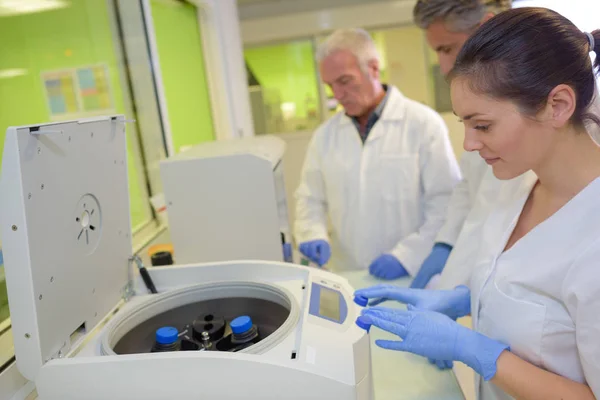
x=464 y=306
x=459 y=303
x=445 y=246
x=482 y=353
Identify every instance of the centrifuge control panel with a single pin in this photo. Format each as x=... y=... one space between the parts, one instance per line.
x=327 y=302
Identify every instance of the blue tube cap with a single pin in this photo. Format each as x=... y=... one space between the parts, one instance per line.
x=363 y=325
x=166 y=335
x=361 y=301
x=241 y=324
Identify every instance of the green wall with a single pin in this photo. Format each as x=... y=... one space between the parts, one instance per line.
x=288 y=68
x=182 y=65
x=76 y=36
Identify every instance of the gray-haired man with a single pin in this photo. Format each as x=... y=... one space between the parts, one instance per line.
x=382 y=171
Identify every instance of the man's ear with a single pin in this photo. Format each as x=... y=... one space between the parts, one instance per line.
x=373 y=68
x=486 y=18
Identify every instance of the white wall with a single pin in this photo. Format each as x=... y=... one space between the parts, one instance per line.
x=309 y=23
x=406 y=65
x=583 y=13
x=253 y=9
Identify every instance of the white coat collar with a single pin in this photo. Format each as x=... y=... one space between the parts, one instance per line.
x=392 y=110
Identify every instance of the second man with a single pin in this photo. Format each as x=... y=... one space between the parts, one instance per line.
x=382 y=171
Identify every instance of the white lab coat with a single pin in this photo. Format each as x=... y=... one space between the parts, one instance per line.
x=542 y=296
x=462 y=259
x=387 y=196
x=473 y=169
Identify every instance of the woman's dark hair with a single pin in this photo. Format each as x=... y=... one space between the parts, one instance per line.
x=522 y=54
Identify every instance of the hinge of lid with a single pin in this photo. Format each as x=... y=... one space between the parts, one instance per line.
x=143 y=272
x=127 y=291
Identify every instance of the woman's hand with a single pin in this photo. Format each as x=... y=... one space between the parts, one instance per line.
x=453 y=303
x=436 y=336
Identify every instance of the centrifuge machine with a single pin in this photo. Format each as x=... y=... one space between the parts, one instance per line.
x=87 y=325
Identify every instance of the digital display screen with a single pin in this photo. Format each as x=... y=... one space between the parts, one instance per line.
x=329 y=304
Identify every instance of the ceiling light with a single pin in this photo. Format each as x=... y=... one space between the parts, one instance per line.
x=17 y=7
x=12 y=73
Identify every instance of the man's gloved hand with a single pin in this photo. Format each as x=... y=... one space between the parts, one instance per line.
x=454 y=303
x=317 y=251
x=434 y=264
x=435 y=336
x=388 y=267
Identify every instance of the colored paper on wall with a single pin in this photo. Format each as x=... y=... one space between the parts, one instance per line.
x=77 y=92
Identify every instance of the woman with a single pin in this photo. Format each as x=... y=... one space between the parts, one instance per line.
x=523 y=84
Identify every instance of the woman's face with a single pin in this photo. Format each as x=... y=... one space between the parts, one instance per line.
x=509 y=141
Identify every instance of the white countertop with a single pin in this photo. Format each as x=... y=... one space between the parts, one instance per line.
x=398 y=375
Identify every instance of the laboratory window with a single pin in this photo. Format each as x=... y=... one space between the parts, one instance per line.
x=283 y=86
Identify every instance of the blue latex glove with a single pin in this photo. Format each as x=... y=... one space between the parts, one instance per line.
x=454 y=303
x=287 y=252
x=436 y=336
x=441 y=364
x=387 y=267
x=434 y=264
x=317 y=251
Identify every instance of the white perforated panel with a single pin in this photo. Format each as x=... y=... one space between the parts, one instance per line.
x=66 y=231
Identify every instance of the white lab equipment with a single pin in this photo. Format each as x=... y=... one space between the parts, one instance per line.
x=226 y=200
x=84 y=325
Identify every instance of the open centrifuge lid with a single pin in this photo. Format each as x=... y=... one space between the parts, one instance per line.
x=66 y=232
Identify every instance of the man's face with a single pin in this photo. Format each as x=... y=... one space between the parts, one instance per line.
x=446 y=44
x=352 y=87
